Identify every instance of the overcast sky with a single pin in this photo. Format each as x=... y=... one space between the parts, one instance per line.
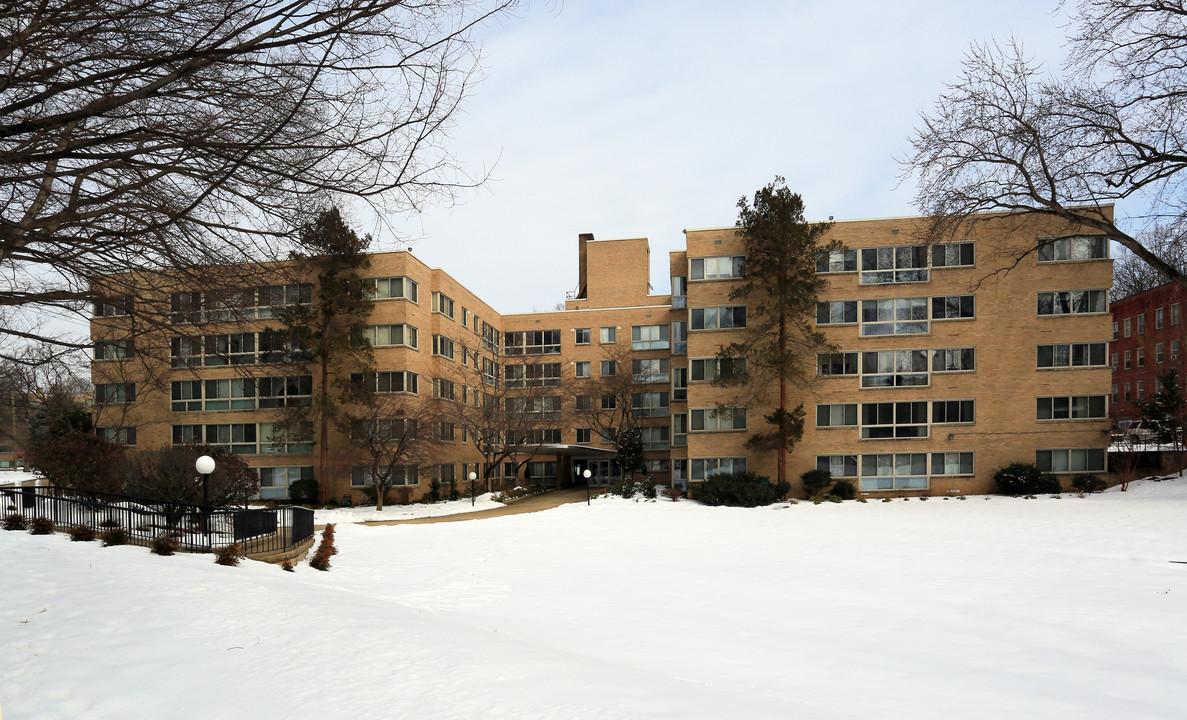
x=644 y=118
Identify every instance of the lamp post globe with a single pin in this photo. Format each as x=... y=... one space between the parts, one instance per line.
x=204 y=465
x=473 y=478
x=587 y=473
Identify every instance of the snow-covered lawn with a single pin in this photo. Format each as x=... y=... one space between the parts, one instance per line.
x=404 y=512
x=982 y=608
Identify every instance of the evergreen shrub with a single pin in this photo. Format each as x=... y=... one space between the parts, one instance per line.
x=744 y=489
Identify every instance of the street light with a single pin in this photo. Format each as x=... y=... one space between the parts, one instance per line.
x=587 y=474
x=473 y=478
x=204 y=465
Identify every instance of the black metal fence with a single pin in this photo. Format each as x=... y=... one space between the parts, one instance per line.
x=197 y=528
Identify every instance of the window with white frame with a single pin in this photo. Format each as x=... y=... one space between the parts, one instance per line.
x=953 y=307
x=1158 y=353
x=609 y=368
x=1083 y=247
x=1141 y=357
x=716 y=268
x=383 y=429
x=444 y=389
x=581 y=368
x=443 y=347
x=898 y=264
x=1071 y=460
x=400 y=335
x=275 y=481
x=232 y=394
x=1158 y=319
x=1127 y=325
x=945 y=360
x=584 y=436
x=1066 y=355
x=679 y=384
x=710 y=419
x=532 y=375
x=278 y=441
x=717 y=318
x=607 y=335
x=953 y=254
x=837 y=364
x=649 y=337
x=702 y=468
x=1073 y=302
x=1174 y=313
x=650 y=404
x=891 y=420
x=396 y=381
x=118 y=435
x=680 y=338
x=278 y=392
x=836 y=415
x=650 y=370
x=952 y=463
x=544 y=436
x=112 y=306
x=655 y=437
x=394 y=288
x=271 y=300
x=443 y=304
x=897 y=316
x=894 y=368
x=532 y=342
x=836 y=312
x=839 y=466
x=581 y=336
x=115 y=393
x=1071 y=407
x=543 y=408
x=710 y=369
x=894 y=471
x=398 y=475
x=1142 y=324
x=115 y=349
x=837 y=261
x=679 y=429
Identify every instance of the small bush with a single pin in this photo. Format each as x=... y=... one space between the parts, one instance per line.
x=815 y=481
x=81 y=533
x=745 y=489
x=647 y=487
x=834 y=499
x=1025 y=479
x=862 y=499
x=844 y=490
x=673 y=493
x=305 y=491
x=371 y=495
x=287 y=566
x=229 y=555
x=41 y=526
x=816 y=499
x=886 y=499
x=325 y=550
x=114 y=536
x=165 y=545
x=435 y=491
x=1088 y=483
x=15 y=521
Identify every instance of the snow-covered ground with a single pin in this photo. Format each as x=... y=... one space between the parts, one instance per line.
x=367 y=513
x=982 y=608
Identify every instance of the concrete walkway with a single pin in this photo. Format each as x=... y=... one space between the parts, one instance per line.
x=535 y=503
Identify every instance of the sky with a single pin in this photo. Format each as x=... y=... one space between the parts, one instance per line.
x=646 y=118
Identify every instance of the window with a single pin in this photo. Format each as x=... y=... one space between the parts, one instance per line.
x=609 y=368
x=836 y=261
x=1141 y=389
x=679 y=384
x=1128 y=359
x=1158 y=319
x=278 y=392
x=446 y=431
x=532 y=375
x=1074 y=355
x=532 y=342
x=954 y=360
x=838 y=465
x=717 y=318
x=679 y=429
x=716 y=268
x=1075 y=407
x=392 y=288
x=952 y=463
x=383 y=429
x=543 y=408
x=443 y=304
x=1127 y=327
x=232 y=394
x=952 y=254
x=118 y=435
x=1068 y=302
x=584 y=402
x=884 y=421
x=1071 y=460
x=185 y=307
x=951 y=411
x=490 y=336
x=711 y=419
x=608 y=335
x=836 y=312
x=1141 y=357
x=1158 y=353
x=113 y=306
x=655 y=437
x=581 y=336
x=680 y=338
x=894 y=471
x=1083 y=247
x=1142 y=324
x=239 y=438
x=649 y=404
x=836 y=415
x=273 y=298
x=609 y=402
x=657 y=465
x=186 y=434
x=701 y=468
x=581 y=369
x=894 y=368
x=398 y=475
x=1116 y=394
x=275 y=481
x=1114 y=363
x=392 y=336
x=1114 y=329
x=679 y=290
x=710 y=369
x=900 y=316
x=465 y=318
x=839 y=363
x=186 y=395
x=902 y=264
x=1174 y=349
x=490 y=371
x=115 y=393
x=444 y=389
x=584 y=436
x=649 y=337
x=387 y=382
x=229 y=349
x=953 y=307
x=114 y=349
x=1128 y=393
x=650 y=370
x=1175 y=314
x=443 y=347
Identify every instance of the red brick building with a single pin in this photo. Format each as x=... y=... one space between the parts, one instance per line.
x=1149 y=333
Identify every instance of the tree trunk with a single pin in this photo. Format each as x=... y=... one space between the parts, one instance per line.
x=781 y=472
x=323 y=454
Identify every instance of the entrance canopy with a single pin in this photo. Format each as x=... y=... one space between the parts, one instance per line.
x=573 y=460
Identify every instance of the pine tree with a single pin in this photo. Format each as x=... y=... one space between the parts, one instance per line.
x=332 y=330
x=1166 y=409
x=781 y=289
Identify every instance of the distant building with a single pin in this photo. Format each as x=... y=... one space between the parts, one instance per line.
x=1148 y=340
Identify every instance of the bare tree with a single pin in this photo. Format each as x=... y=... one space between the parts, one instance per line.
x=1132 y=275
x=139 y=136
x=608 y=405
x=1008 y=137
x=391 y=435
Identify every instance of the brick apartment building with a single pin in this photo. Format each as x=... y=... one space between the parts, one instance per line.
x=945 y=369
x=1148 y=340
